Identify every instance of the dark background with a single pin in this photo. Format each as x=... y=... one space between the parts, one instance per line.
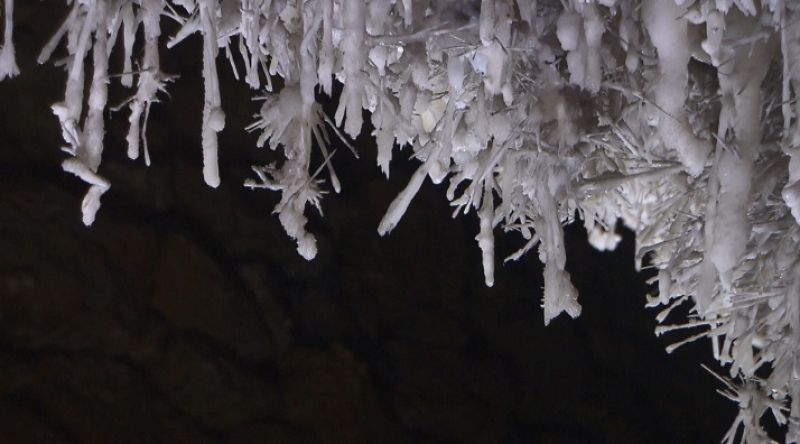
x=185 y=315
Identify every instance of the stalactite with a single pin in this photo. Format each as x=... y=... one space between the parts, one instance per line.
x=677 y=119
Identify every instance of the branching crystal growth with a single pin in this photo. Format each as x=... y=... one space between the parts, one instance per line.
x=678 y=118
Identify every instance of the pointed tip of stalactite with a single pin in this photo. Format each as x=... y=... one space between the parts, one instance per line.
x=385 y=227
x=8 y=64
x=210 y=166
x=88 y=218
x=91 y=203
x=307 y=246
x=8 y=72
x=212 y=181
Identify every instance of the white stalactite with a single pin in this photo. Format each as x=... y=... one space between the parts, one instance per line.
x=668 y=30
x=213 y=116
x=149 y=76
x=8 y=59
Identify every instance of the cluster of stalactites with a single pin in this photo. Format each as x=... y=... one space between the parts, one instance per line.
x=90 y=31
x=679 y=118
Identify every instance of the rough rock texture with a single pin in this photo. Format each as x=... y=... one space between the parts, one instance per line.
x=185 y=315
